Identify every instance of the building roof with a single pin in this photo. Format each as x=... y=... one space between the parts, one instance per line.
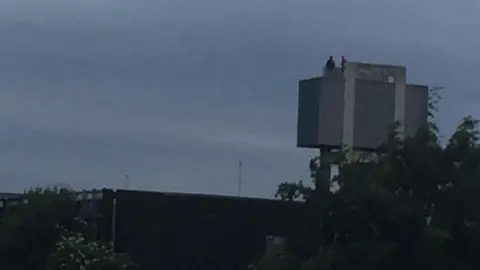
x=6 y=195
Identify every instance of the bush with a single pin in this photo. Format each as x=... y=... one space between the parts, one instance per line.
x=29 y=230
x=43 y=232
x=74 y=252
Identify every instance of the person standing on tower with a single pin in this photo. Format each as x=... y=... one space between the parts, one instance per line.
x=330 y=65
x=344 y=63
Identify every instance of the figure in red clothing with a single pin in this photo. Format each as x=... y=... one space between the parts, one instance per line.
x=344 y=63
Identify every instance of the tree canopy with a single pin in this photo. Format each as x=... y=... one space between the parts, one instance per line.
x=43 y=231
x=415 y=207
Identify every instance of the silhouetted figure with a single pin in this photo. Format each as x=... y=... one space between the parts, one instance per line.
x=330 y=63
x=344 y=63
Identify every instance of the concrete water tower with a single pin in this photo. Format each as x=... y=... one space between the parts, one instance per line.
x=355 y=108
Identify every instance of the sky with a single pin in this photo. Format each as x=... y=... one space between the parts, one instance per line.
x=175 y=93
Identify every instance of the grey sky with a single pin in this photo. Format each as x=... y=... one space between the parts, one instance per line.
x=175 y=93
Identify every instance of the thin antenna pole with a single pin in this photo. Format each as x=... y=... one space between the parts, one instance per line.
x=127 y=181
x=239 y=190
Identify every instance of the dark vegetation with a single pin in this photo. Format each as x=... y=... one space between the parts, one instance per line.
x=45 y=229
x=416 y=207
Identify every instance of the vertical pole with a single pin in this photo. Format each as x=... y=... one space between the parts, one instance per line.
x=239 y=188
x=127 y=181
x=114 y=221
x=400 y=88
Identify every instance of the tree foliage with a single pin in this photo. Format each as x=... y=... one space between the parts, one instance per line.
x=74 y=252
x=414 y=207
x=28 y=231
x=42 y=231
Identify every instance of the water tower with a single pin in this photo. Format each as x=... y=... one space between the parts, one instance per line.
x=355 y=108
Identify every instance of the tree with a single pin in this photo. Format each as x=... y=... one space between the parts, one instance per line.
x=415 y=207
x=28 y=231
x=43 y=232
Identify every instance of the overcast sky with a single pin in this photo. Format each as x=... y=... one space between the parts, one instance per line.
x=176 y=92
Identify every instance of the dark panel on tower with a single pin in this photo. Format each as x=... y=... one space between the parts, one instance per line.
x=320 y=112
x=416 y=108
x=374 y=112
x=332 y=105
x=308 y=112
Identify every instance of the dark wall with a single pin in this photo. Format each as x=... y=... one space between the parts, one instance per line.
x=180 y=231
x=374 y=113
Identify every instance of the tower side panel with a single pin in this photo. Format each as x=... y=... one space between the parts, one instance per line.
x=416 y=108
x=308 y=112
x=374 y=113
x=331 y=111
